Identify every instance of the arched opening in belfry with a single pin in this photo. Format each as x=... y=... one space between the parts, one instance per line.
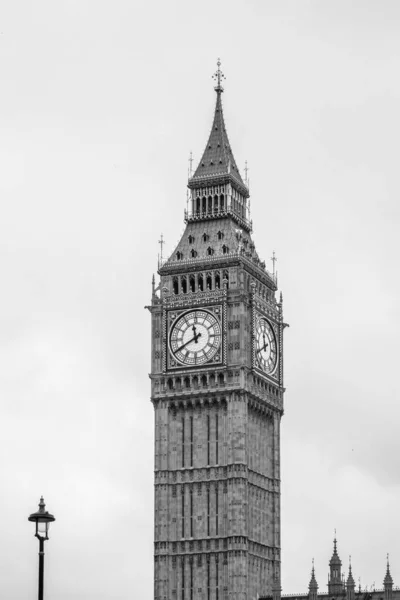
x=209 y=204
x=200 y=282
x=215 y=204
x=175 y=285
x=217 y=281
x=184 y=284
x=192 y=283
x=221 y=202
x=197 y=206
x=209 y=281
x=204 y=203
x=226 y=277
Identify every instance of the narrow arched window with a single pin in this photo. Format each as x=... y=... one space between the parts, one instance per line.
x=179 y=255
x=184 y=284
x=225 y=249
x=193 y=253
x=210 y=251
x=191 y=283
x=175 y=285
x=215 y=204
x=191 y=239
x=200 y=283
x=220 y=235
x=217 y=281
x=209 y=281
x=205 y=237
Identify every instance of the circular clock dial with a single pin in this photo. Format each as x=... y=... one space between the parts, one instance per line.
x=195 y=337
x=266 y=351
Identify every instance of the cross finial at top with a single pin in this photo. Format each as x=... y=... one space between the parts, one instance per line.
x=218 y=76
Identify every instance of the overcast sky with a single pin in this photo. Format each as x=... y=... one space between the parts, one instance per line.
x=100 y=105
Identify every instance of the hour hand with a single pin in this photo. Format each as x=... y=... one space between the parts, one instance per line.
x=194 y=339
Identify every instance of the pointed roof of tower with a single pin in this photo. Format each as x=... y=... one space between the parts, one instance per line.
x=350 y=578
x=313 y=585
x=335 y=560
x=388 y=578
x=218 y=160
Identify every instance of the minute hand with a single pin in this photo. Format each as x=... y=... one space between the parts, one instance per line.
x=194 y=339
x=263 y=348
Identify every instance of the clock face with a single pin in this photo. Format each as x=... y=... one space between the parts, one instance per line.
x=266 y=350
x=195 y=338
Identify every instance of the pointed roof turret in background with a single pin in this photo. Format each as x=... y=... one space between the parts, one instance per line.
x=335 y=583
x=388 y=582
x=313 y=585
x=335 y=560
x=388 y=578
x=350 y=578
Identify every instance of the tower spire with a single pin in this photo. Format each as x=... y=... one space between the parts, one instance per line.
x=218 y=165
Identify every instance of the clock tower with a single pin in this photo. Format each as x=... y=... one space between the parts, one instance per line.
x=217 y=391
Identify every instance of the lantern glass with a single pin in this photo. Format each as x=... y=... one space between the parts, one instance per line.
x=42 y=528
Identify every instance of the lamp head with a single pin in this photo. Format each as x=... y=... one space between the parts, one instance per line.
x=42 y=518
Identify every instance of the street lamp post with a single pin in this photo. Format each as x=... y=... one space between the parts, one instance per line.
x=42 y=518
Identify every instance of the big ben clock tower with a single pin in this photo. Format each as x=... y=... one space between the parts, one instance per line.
x=217 y=391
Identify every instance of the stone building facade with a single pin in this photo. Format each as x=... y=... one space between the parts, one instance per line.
x=217 y=391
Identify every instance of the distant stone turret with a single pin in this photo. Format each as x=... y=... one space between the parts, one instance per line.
x=313 y=586
x=350 y=584
x=388 y=582
x=335 y=583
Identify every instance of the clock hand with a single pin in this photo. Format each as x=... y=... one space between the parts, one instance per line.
x=263 y=348
x=194 y=333
x=194 y=339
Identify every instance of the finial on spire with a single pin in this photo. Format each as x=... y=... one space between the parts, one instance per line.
x=190 y=169
x=274 y=259
x=218 y=76
x=246 y=170
x=160 y=257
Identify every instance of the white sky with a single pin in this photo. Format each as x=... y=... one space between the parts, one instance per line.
x=100 y=105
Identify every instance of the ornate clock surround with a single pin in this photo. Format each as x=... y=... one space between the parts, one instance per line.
x=275 y=374
x=172 y=315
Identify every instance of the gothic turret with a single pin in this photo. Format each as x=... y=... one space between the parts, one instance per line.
x=350 y=584
x=313 y=586
x=388 y=582
x=335 y=583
